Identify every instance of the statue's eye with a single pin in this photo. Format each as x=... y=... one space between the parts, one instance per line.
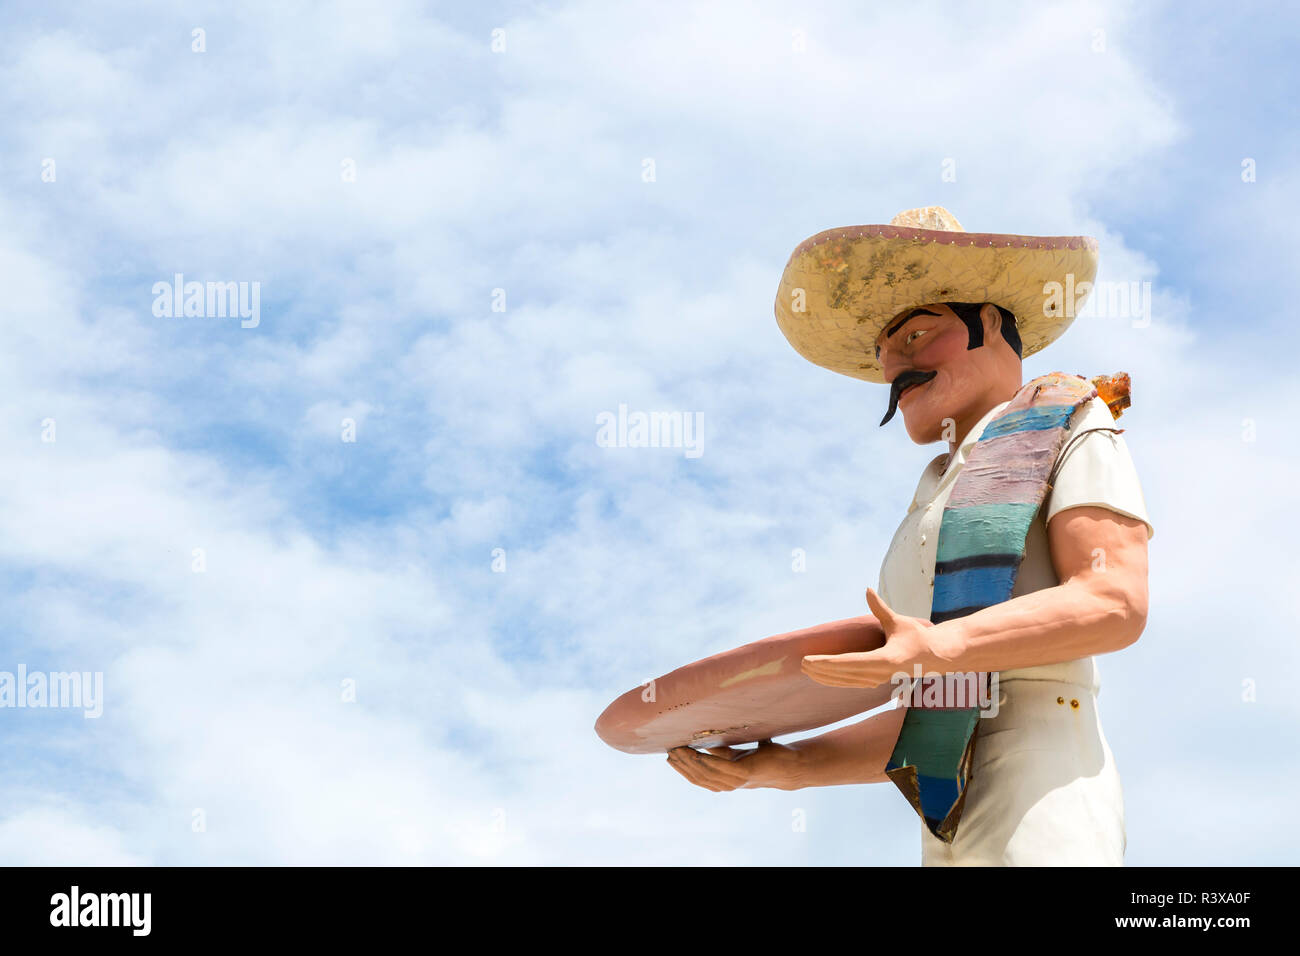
x=915 y=334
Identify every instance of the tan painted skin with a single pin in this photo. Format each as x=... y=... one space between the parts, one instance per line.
x=1089 y=612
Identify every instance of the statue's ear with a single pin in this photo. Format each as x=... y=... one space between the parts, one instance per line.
x=991 y=320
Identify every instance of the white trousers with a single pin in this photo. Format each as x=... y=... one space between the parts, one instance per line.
x=1044 y=789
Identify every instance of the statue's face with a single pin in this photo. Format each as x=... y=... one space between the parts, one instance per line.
x=931 y=338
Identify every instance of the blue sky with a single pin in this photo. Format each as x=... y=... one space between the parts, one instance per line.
x=371 y=561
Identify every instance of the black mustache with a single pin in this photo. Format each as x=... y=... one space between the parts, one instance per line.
x=911 y=377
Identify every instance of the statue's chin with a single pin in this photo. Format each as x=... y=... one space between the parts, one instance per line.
x=922 y=431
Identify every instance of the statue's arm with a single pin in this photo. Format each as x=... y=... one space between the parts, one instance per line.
x=1100 y=605
x=853 y=754
x=856 y=753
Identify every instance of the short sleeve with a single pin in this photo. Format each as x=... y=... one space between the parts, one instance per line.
x=1096 y=470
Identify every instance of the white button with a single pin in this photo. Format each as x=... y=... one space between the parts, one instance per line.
x=923 y=539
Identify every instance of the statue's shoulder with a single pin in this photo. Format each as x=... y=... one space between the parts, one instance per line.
x=1052 y=389
x=1055 y=387
x=1112 y=391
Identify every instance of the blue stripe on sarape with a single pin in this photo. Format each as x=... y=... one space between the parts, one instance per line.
x=980 y=549
x=1031 y=419
x=973 y=587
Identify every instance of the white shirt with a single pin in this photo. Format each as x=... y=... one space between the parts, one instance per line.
x=1044 y=786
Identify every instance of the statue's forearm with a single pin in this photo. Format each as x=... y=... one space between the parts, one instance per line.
x=853 y=754
x=1057 y=624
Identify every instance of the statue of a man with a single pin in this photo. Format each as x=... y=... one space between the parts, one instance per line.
x=1022 y=555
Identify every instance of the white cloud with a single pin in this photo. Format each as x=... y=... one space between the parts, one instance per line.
x=471 y=738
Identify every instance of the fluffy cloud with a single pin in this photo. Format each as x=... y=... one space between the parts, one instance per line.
x=331 y=569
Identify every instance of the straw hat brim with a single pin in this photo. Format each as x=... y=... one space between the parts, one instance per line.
x=852 y=280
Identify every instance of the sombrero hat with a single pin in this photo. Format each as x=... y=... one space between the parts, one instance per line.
x=842 y=286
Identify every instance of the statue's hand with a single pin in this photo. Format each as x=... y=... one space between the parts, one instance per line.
x=908 y=641
x=726 y=768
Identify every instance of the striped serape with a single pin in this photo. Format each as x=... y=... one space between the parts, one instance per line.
x=981 y=545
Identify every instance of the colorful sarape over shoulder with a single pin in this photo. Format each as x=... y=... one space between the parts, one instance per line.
x=981 y=545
